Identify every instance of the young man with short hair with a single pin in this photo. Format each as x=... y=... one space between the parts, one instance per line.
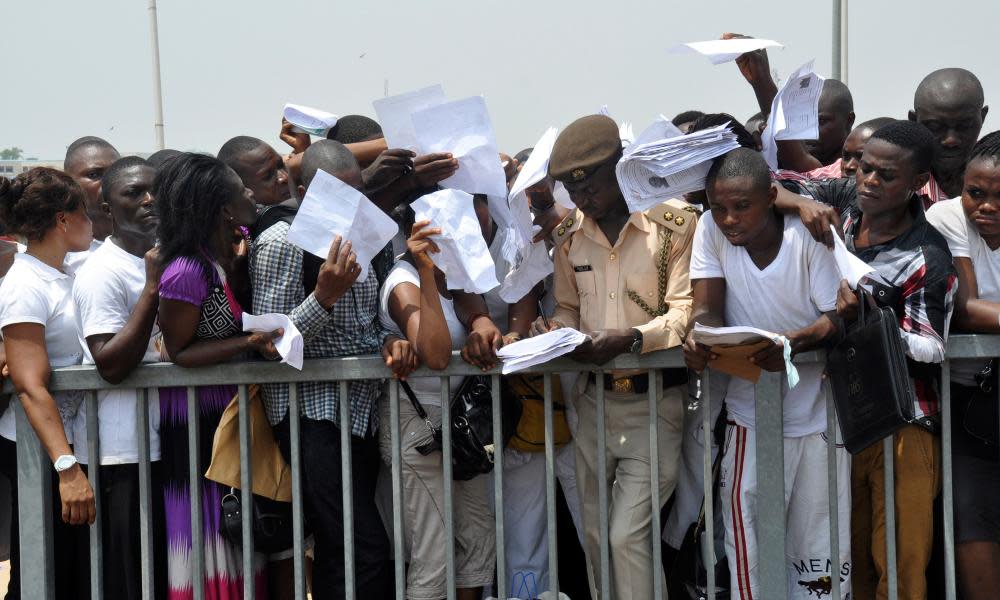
x=87 y=159
x=117 y=298
x=752 y=266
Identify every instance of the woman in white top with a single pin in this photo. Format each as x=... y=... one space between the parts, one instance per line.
x=416 y=304
x=971 y=224
x=38 y=319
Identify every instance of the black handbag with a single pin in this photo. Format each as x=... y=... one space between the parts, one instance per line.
x=869 y=377
x=272 y=523
x=472 y=448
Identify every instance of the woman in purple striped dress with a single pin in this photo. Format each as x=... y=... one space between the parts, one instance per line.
x=203 y=205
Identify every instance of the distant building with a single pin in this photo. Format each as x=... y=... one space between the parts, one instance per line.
x=13 y=168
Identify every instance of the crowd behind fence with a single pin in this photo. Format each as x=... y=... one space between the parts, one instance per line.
x=36 y=539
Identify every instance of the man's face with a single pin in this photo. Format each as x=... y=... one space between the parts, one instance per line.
x=740 y=211
x=854 y=147
x=981 y=196
x=956 y=128
x=597 y=196
x=263 y=171
x=87 y=167
x=886 y=178
x=834 y=127
x=130 y=203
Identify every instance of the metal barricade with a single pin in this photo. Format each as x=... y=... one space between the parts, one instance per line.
x=35 y=480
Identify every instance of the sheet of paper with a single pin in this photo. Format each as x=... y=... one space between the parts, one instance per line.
x=794 y=112
x=532 y=266
x=464 y=257
x=331 y=208
x=463 y=127
x=539 y=349
x=730 y=336
x=721 y=51
x=290 y=345
x=394 y=114
x=309 y=120
x=852 y=268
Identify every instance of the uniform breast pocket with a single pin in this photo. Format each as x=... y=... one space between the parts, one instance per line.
x=586 y=286
x=646 y=296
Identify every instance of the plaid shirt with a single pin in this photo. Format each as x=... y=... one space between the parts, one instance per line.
x=351 y=328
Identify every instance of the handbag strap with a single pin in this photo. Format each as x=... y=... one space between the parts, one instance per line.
x=413 y=399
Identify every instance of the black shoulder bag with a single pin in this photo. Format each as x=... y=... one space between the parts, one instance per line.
x=870 y=381
x=472 y=448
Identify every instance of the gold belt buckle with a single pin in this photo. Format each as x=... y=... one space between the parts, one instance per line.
x=623 y=385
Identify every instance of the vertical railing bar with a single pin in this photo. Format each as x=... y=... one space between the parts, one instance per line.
x=246 y=494
x=888 y=454
x=94 y=468
x=498 y=488
x=550 y=488
x=655 y=389
x=449 y=507
x=709 y=484
x=298 y=524
x=34 y=507
x=145 y=492
x=948 y=500
x=771 y=523
x=602 y=489
x=397 y=491
x=194 y=483
x=833 y=483
x=347 y=482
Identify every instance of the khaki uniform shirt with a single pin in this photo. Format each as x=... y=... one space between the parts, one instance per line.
x=629 y=284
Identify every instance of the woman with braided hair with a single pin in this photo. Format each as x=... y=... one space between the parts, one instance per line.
x=38 y=318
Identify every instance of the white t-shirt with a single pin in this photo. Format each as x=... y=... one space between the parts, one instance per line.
x=106 y=290
x=790 y=293
x=33 y=292
x=427 y=389
x=964 y=241
x=75 y=260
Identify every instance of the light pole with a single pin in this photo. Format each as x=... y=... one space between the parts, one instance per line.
x=154 y=40
x=840 y=40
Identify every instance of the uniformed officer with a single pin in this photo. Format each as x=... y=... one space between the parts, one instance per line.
x=623 y=279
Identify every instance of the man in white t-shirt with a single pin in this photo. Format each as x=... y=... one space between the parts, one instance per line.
x=87 y=160
x=751 y=266
x=115 y=292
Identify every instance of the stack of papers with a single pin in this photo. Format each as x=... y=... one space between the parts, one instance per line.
x=663 y=163
x=735 y=346
x=290 y=345
x=540 y=349
x=309 y=120
x=331 y=208
x=722 y=51
x=463 y=257
x=794 y=112
x=730 y=336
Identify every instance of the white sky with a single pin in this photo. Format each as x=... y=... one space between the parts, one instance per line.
x=83 y=68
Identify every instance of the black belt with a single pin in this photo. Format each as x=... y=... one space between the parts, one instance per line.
x=639 y=384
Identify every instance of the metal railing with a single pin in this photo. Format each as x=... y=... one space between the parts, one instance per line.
x=34 y=468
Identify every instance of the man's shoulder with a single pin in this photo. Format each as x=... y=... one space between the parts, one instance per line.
x=567 y=227
x=277 y=233
x=676 y=215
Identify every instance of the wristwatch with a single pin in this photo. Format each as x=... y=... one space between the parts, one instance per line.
x=636 y=347
x=66 y=461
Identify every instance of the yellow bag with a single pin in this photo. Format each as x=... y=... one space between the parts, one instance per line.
x=530 y=433
x=272 y=477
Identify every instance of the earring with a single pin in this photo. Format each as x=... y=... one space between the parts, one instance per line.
x=65 y=230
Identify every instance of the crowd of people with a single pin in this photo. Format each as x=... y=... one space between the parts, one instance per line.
x=117 y=261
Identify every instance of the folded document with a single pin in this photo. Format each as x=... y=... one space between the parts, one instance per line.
x=290 y=345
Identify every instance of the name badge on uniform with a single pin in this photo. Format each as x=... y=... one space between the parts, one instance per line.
x=582 y=268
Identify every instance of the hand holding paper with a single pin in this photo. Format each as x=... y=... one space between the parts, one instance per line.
x=310 y=120
x=721 y=51
x=290 y=345
x=539 y=349
x=332 y=208
x=735 y=345
x=794 y=112
x=463 y=257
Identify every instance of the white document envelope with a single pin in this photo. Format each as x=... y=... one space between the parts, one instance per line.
x=394 y=114
x=464 y=257
x=332 y=208
x=309 y=120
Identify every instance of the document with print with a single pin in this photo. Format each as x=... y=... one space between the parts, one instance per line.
x=794 y=112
